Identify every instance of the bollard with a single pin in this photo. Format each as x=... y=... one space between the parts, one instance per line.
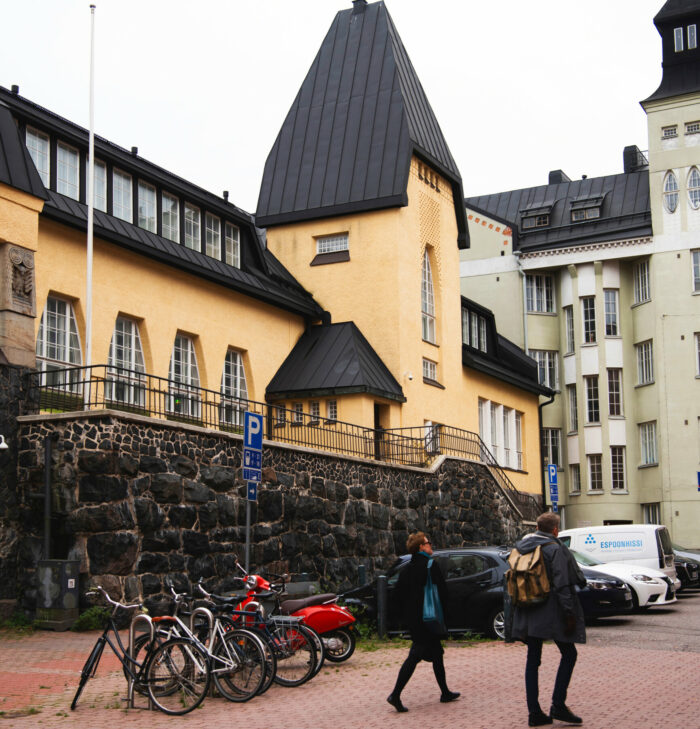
x=362 y=574
x=381 y=605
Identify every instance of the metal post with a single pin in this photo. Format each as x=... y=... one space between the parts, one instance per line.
x=247 y=536
x=381 y=605
x=48 y=443
x=362 y=574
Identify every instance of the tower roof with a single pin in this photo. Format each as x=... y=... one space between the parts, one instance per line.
x=347 y=141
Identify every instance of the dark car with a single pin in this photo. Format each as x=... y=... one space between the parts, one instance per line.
x=687 y=563
x=475 y=584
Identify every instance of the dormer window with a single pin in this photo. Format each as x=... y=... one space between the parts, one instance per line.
x=692 y=37
x=678 y=39
x=536 y=221
x=586 y=208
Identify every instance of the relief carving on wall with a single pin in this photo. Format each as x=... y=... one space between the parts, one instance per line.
x=19 y=281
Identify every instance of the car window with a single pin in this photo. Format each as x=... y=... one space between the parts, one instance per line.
x=464 y=565
x=566 y=541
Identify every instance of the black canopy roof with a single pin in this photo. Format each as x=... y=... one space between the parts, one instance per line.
x=16 y=166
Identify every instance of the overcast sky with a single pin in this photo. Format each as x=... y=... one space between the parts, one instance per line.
x=202 y=88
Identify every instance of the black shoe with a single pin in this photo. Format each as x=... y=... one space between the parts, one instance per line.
x=539 y=719
x=449 y=696
x=396 y=703
x=563 y=713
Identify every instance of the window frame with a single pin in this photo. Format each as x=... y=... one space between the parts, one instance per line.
x=332 y=243
x=430 y=368
x=233 y=389
x=588 y=319
x=612 y=312
x=572 y=400
x=645 y=362
x=551 y=446
x=120 y=195
x=168 y=230
x=697 y=354
x=592 y=399
x=39 y=154
x=332 y=411
x=671 y=192
x=193 y=237
x=547 y=366
x=64 y=186
x=428 y=323
x=232 y=245
x=298 y=413
x=185 y=390
x=693 y=185
x=99 y=192
x=574 y=480
x=678 y=37
x=126 y=381
x=648 y=445
x=212 y=235
x=618 y=471
x=569 y=329
x=595 y=472
x=58 y=317
x=615 y=392
x=692 y=35
x=539 y=293
x=642 y=282
x=146 y=190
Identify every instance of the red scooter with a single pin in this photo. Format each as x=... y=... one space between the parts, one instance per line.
x=332 y=622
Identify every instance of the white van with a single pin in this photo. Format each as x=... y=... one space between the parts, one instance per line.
x=641 y=544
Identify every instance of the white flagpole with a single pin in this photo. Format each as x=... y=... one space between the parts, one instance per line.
x=91 y=212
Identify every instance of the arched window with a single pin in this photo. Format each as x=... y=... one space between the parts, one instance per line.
x=427 y=300
x=58 y=346
x=671 y=192
x=234 y=390
x=184 y=379
x=126 y=382
x=694 y=188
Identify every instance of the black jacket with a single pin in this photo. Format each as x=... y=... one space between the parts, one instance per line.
x=410 y=590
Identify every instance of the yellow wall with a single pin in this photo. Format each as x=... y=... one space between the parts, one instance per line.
x=19 y=216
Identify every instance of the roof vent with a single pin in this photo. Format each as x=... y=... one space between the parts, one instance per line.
x=15 y=89
x=556 y=177
x=633 y=159
x=358 y=6
x=226 y=195
x=584 y=177
x=134 y=151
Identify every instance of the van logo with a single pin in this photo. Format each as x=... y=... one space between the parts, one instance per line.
x=590 y=543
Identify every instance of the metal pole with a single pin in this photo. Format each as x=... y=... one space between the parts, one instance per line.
x=247 y=536
x=381 y=605
x=90 y=218
x=48 y=441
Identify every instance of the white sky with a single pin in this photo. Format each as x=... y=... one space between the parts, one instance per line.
x=202 y=88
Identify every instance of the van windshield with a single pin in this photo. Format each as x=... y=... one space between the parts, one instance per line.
x=665 y=540
x=584 y=559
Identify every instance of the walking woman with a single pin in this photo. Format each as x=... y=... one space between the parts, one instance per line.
x=426 y=646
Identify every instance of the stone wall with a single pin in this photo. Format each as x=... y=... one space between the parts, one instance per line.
x=136 y=499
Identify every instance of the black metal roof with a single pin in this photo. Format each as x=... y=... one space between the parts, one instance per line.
x=333 y=359
x=16 y=166
x=676 y=9
x=346 y=143
x=625 y=210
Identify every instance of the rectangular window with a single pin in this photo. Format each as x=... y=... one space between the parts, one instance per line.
x=193 y=235
x=692 y=37
x=592 y=401
x=697 y=355
x=332 y=243
x=678 y=39
x=647 y=442
x=692 y=127
x=38 y=146
x=281 y=415
x=332 y=410
x=315 y=411
x=147 y=206
x=595 y=472
x=121 y=196
x=551 y=445
x=482 y=334
x=100 y=190
x=615 y=391
x=588 y=311
x=213 y=236
x=546 y=367
x=645 y=362
x=465 y=326
x=696 y=271
x=569 y=323
x=519 y=440
x=507 y=416
x=573 y=408
x=669 y=132
x=585 y=214
x=170 y=217
x=232 y=245
x=68 y=171
x=536 y=221
x=539 y=293
x=641 y=282
x=617 y=467
x=429 y=370
x=298 y=409
x=611 y=317
x=574 y=478
x=652 y=513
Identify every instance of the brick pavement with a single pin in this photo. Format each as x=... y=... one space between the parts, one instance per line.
x=614 y=687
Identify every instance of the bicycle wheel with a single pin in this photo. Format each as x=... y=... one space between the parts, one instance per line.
x=295 y=653
x=89 y=668
x=238 y=666
x=320 y=648
x=178 y=676
x=270 y=657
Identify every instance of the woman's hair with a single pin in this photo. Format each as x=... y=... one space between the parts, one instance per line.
x=414 y=542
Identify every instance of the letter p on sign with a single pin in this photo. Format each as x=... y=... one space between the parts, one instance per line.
x=252 y=435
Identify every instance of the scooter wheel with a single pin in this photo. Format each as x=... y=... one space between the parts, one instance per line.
x=339 y=644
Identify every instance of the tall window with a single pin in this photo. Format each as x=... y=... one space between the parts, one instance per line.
x=575 y=478
x=184 y=379
x=697 y=355
x=315 y=411
x=645 y=362
x=617 y=468
x=696 y=271
x=573 y=408
x=647 y=442
x=298 y=410
x=507 y=419
x=38 y=146
x=234 y=390
x=692 y=37
x=170 y=217
x=592 y=401
x=427 y=301
x=57 y=345
x=551 y=445
x=671 y=192
x=232 y=246
x=126 y=382
x=539 y=293
x=332 y=410
x=546 y=367
x=193 y=236
x=569 y=323
x=652 y=513
x=100 y=189
x=121 y=196
x=147 y=206
x=519 y=441
x=474 y=330
x=615 y=391
x=213 y=236
x=68 y=171
x=611 y=316
x=641 y=282
x=595 y=472
x=588 y=310
x=694 y=188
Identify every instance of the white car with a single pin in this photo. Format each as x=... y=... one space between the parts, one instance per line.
x=649 y=586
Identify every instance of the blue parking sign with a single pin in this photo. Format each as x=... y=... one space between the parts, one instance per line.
x=253 y=431
x=552 y=473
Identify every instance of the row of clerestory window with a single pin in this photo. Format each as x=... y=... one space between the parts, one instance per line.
x=681 y=35
x=671 y=193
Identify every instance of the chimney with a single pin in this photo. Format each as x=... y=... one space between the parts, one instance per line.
x=358 y=6
x=226 y=195
x=556 y=177
x=633 y=159
x=134 y=151
x=15 y=89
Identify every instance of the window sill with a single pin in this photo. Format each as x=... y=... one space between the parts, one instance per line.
x=543 y=313
x=569 y=354
x=620 y=492
x=640 y=303
x=588 y=344
x=616 y=417
x=432 y=344
x=280 y=425
x=645 y=384
x=574 y=493
x=595 y=424
x=572 y=432
x=595 y=492
x=647 y=465
x=296 y=425
x=613 y=336
x=330 y=422
x=321 y=259
x=314 y=423
x=433 y=383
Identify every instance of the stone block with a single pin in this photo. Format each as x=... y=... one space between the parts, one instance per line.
x=112 y=553
x=99 y=488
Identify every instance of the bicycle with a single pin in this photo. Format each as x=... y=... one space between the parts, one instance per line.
x=174 y=673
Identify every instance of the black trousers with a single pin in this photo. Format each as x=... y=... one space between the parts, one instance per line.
x=430 y=651
x=561 y=683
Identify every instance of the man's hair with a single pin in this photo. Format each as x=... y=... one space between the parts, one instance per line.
x=414 y=542
x=548 y=522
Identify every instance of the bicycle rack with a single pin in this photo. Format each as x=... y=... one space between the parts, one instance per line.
x=132 y=633
x=209 y=615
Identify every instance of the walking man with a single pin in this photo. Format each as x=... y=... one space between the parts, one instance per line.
x=559 y=618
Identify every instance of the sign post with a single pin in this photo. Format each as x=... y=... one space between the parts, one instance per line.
x=553 y=486
x=252 y=469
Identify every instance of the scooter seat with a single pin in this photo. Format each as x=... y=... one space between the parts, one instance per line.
x=291 y=606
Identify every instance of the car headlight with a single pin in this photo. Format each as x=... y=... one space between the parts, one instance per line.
x=600 y=584
x=645 y=578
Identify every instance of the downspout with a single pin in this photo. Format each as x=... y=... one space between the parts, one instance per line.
x=539 y=419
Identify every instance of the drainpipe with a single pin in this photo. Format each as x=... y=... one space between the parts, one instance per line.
x=48 y=448
x=519 y=264
x=539 y=421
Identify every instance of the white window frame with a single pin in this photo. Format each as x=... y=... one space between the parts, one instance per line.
x=612 y=318
x=315 y=411
x=68 y=170
x=234 y=389
x=100 y=186
x=184 y=396
x=58 y=345
x=588 y=314
x=122 y=195
x=595 y=472
x=126 y=369
x=670 y=192
x=642 y=282
x=678 y=40
x=569 y=326
x=212 y=233
x=574 y=478
x=232 y=245
x=697 y=354
x=692 y=37
x=694 y=188
x=592 y=399
x=148 y=207
x=170 y=217
x=669 y=132
x=39 y=146
x=427 y=301
x=547 y=367
x=573 y=408
x=539 y=293
x=429 y=370
x=692 y=127
x=332 y=410
x=551 y=446
x=615 y=402
x=332 y=243
x=652 y=513
x=647 y=444
x=618 y=475
x=193 y=227
x=298 y=412
x=645 y=362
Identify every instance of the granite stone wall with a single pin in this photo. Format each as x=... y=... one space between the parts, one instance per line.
x=136 y=500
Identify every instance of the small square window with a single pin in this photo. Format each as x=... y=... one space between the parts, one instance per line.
x=669 y=132
x=692 y=127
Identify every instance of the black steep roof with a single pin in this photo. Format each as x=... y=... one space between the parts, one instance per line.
x=16 y=166
x=346 y=143
x=333 y=359
x=625 y=210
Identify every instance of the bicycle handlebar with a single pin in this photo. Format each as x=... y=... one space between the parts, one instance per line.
x=100 y=590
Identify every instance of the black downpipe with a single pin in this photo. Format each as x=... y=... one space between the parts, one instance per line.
x=539 y=417
x=48 y=452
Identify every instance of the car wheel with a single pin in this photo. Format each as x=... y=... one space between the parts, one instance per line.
x=635 y=599
x=496 y=624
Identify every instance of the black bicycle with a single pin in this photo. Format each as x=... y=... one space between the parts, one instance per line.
x=175 y=674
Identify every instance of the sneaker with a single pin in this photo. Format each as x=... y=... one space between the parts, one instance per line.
x=539 y=719
x=449 y=696
x=396 y=703
x=563 y=713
